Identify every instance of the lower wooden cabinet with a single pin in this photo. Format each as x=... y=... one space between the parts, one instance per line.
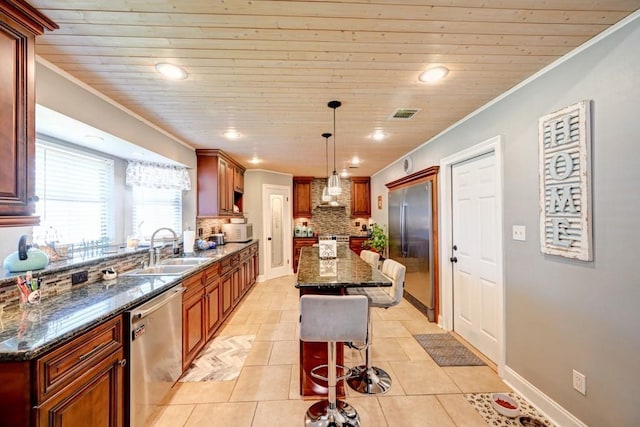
x=355 y=243
x=213 y=314
x=94 y=399
x=193 y=332
x=79 y=383
x=298 y=244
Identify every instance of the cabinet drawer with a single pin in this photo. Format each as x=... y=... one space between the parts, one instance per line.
x=69 y=361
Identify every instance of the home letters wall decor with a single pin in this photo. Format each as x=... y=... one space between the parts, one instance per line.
x=565 y=174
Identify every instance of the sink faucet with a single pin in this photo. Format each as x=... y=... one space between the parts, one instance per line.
x=154 y=255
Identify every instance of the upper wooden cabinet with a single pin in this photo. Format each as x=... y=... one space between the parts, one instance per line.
x=220 y=184
x=302 y=196
x=19 y=25
x=360 y=197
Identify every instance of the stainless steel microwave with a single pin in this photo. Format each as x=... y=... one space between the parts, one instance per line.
x=237 y=232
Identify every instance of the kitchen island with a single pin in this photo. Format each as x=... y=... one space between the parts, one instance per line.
x=329 y=276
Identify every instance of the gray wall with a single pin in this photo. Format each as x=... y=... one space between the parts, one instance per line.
x=65 y=96
x=563 y=314
x=252 y=200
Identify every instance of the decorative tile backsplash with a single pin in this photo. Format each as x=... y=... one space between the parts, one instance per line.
x=332 y=220
x=56 y=278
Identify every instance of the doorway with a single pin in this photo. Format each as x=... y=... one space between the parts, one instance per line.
x=276 y=235
x=471 y=255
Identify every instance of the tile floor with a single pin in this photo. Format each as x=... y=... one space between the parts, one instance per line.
x=267 y=391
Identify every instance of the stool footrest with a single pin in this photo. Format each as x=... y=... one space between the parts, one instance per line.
x=347 y=372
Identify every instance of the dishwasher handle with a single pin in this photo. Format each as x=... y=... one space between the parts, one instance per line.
x=161 y=302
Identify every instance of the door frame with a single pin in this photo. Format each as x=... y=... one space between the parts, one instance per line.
x=286 y=225
x=445 y=320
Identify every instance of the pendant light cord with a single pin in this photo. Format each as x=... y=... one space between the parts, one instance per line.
x=334 y=140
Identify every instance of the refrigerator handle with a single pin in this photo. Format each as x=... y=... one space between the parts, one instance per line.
x=403 y=230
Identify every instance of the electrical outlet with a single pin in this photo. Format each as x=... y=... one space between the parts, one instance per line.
x=519 y=232
x=79 y=277
x=579 y=382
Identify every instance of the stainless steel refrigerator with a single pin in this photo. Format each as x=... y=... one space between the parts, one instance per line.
x=411 y=242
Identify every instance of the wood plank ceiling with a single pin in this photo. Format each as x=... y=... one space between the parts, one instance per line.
x=268 y=68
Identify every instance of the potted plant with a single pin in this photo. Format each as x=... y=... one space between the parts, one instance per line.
x=377 y=241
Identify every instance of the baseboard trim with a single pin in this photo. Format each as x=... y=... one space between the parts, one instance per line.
x=547 y=406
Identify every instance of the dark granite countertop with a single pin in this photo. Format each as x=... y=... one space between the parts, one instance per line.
x=26 y=333
x=347 y=270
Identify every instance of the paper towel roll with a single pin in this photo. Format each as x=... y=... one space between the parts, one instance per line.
x=189 y=239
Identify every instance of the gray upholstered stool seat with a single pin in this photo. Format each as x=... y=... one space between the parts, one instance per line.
x=367 y=378
x=332 y=318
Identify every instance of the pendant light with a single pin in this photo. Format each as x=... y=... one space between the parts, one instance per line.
x=325 y=191
x=334 y=180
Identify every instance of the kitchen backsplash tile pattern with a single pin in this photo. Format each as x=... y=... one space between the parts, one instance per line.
x=332 y=220
x=58 y=281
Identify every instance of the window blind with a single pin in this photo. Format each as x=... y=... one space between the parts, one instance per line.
x=154 y=208
x=75 y=191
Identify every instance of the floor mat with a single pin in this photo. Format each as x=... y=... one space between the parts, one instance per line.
x=482 y=403
x=221 y=360
x=448 y=351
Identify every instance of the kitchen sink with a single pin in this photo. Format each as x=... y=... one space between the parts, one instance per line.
x=161 y=270
x=184 y=261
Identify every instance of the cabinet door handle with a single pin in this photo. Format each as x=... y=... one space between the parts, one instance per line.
x=122 y=362
x=453 y=259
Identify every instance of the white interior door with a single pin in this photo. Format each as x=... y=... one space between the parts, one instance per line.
x=476 y=283
x=277 y=231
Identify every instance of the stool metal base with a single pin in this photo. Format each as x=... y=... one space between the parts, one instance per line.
x=369 y=381
x=321 y=414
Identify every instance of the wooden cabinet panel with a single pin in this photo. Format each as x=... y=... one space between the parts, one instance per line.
x=302 y=196
x=360 y=197
x=193 y=327
x=63 y=365
x=238 y=180
x=226 y=286
x=95 y=399
x=213 y=315
x=19 y=25
x=298 y=244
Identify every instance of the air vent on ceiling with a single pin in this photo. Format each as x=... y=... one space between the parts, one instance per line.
x=404 y=113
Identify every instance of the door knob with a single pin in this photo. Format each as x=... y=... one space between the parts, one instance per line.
x=453 y=259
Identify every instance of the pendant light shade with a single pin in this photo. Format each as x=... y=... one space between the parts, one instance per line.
x=334 y=180
x=326 y=197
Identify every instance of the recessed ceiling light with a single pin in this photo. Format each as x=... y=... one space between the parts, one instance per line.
x=434 y=74
x=171 y=71
x=344 y=173
x=255 y=160
x=378 y=135
x=231 y=134
x=355 y=160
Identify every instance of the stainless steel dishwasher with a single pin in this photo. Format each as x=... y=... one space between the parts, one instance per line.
x=155 y=360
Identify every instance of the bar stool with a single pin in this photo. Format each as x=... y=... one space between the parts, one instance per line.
x=366 y=378
x=332 y=318
x=370 y=257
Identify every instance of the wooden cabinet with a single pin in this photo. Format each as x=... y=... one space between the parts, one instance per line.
x=80 y=382
x=302 y=196
x=226 y=287
x=19 y=25
x=355 y=243
x=360 y=197
x=220 y=184
x=298 y=244
x=201 y=315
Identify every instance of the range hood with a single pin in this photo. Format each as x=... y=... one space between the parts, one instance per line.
x=331 y=204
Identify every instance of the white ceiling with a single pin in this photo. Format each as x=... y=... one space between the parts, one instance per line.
x=268 y=68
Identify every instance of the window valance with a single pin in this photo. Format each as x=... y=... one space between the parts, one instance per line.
x=155 y=175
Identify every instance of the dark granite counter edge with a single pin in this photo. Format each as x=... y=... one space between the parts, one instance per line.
x=26 y=355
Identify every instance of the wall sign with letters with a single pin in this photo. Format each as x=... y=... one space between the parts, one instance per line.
x=565 y=175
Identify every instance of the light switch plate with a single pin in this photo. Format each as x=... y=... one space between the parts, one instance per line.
x=519 y=232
